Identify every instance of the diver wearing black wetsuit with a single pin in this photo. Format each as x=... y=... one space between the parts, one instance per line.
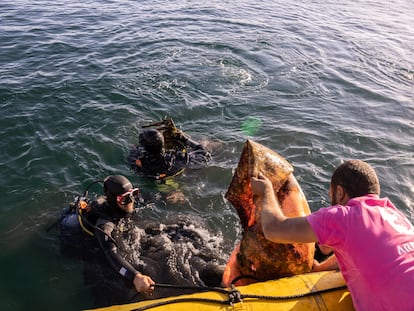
x=110 y=214
x=177 y=252
x=151 y=158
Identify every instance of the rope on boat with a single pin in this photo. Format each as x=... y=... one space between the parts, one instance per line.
x=234 y=296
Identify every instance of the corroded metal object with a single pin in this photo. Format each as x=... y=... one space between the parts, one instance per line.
x=254 y=256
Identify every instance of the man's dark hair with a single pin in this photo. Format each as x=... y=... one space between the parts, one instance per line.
x=357 y=177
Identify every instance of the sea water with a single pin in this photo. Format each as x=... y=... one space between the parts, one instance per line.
x=316 y=81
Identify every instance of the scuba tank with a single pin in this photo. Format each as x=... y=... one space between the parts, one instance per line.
x=74 y=229
x=78 y=209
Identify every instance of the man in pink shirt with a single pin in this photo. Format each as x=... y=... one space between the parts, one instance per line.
x=373 y=242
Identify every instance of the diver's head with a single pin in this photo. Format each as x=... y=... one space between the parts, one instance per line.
x=152 y=140
x=120 y=192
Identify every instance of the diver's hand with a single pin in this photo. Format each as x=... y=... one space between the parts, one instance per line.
x=143 y=283
x=261 y=185
x=176 y=197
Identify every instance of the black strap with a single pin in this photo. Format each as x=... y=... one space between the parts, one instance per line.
x=234 y=296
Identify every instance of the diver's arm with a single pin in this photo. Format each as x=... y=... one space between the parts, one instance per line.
x=193 y=144
x=196 y=151
x=186 y=140
x=198 y=154
x=108 y=245
x=142 y=283
x=276 y=226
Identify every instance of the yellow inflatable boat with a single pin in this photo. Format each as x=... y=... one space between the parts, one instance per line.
x=305 y=292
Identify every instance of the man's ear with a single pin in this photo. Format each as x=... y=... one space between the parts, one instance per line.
x=341 y=195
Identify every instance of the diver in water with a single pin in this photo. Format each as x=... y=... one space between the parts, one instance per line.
x=166 y=151
x=107 y=219
x=139 y=253
x=105 y=214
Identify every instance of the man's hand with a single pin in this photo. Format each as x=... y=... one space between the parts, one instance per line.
x=143 y=283
x=330 y=263
x=261 y=185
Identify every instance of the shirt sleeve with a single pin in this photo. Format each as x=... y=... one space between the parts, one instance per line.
x=103 y=233
x=330 y=225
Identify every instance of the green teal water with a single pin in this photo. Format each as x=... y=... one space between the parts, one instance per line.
x=316 y=81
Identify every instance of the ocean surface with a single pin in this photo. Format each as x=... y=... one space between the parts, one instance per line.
x=319 y=82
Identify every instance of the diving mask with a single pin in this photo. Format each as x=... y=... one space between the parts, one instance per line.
x=127 y=197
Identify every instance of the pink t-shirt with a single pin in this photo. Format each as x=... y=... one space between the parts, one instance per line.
x=374 y=245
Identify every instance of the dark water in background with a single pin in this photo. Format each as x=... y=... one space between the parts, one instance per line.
x=321 y=81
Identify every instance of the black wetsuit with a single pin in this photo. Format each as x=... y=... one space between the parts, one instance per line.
x=112 y=225
x=186 y=153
